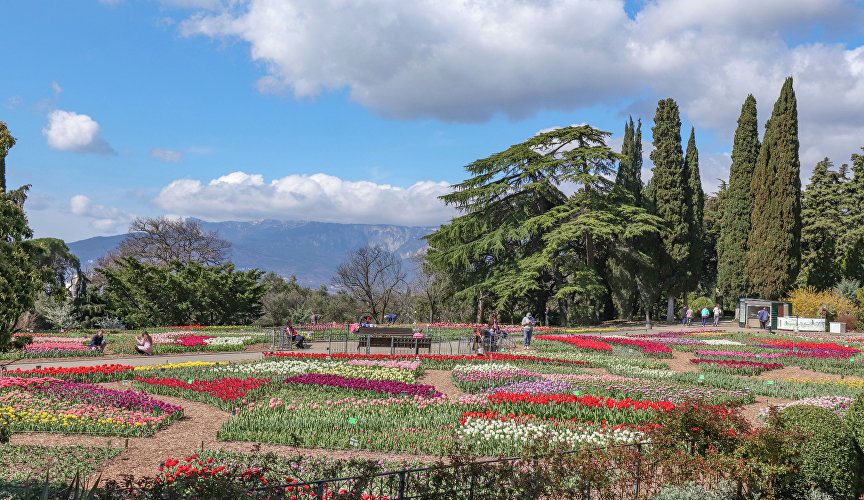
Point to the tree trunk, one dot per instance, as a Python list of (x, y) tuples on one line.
[(670, 309), (648, 319), (562, 311), (480, 310)]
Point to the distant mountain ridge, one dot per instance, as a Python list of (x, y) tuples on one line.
[(309, 250)]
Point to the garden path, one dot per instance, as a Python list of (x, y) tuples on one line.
[(442, 381)]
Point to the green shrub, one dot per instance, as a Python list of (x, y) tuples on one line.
[(830, 459), (700, 302), (692, 491), (854, 420), (20, 341)]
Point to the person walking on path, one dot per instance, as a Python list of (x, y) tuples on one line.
[(684, 315), (718, 311), (705, 314), (546, 317), (689, 316), (763, 316), (527, 329)]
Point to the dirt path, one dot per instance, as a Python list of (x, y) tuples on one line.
[(442, 382), (680, 362)]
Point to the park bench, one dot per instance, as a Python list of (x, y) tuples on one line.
[(392, 338)]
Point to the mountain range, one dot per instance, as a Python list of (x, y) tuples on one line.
[(309, 250)]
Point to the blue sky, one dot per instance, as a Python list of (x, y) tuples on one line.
[(365, 112)]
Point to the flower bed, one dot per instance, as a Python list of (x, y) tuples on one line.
[(837, 404), (71, 407), (478, 378), (490, 433), (736, 367), (441, 360), (362, 384), (101, 373), (580, 342), (218, 391), (814, 345)]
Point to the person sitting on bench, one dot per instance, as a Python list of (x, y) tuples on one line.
[(295, 337)]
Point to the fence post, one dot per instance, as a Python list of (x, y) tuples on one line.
[(401, 485), (392, 345), (471, 486), (638, 467), (368, 344), (319, 491)]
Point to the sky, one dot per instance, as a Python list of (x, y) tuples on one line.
[(367, 111)]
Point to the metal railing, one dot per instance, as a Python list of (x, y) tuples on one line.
[(468, 481)]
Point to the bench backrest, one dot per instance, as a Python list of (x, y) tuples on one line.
[(379, 332)]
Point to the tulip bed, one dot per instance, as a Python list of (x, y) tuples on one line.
[(732, 366), (51, 405), (222, 392), (29, 463)]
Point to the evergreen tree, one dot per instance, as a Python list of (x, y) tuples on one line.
[(713, 213), (19, 281), (629, 175), (820, 218), (6, 143), (852, 222), (669, 201), (732, 279), (623, 261), (695, 199), (774, 243)]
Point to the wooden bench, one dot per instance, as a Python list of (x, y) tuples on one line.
[(392, 338)]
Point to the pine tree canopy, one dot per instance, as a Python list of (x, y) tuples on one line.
[(732, 278), (774, 243), (630, 168), (519, 239)]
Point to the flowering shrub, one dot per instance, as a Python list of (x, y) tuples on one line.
[(837, 404)]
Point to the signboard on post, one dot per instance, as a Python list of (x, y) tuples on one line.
[(801, 324)]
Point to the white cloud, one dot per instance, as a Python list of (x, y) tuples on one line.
[(57, 88), (102, 218), (454, 60), (70, 131), (13, 102), (167, 155), (320, 197)]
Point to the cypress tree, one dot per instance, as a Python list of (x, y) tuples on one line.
[(820, 218), (852, 222), (774, 243), (6, 143), (669, 201), (629, 174), (623, 262), (695, 199), (732, 278)]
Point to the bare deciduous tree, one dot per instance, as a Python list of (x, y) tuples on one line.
[(373, 275), (160, 240)]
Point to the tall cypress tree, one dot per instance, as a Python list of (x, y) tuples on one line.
[(629, 174), (623, 261), (732, 278), (695, 199), (852, 235), (774, 244), (669, 202), (6, 143), (820, 218)]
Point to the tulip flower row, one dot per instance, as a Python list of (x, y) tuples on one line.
[(733, 366), (52, 405), (814, 345), (579, 342), (218, 391), (363, 384)]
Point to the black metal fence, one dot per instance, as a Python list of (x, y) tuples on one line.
[(512, 477)]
